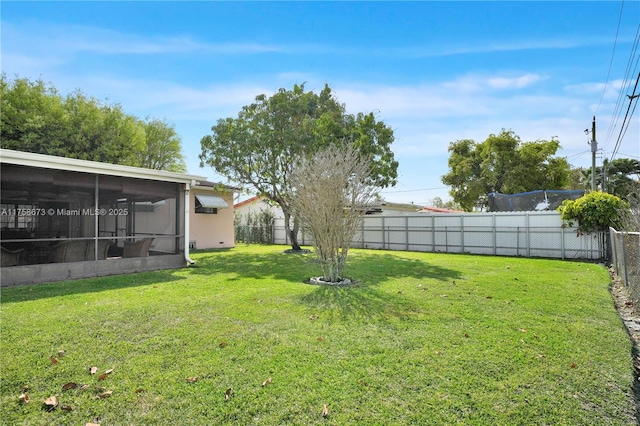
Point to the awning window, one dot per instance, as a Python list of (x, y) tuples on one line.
[(206, 202)]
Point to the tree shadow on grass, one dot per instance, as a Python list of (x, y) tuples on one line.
[(368, 268), (87, 285), (360, 303), (366, 301), (372, 268), (260, 265)]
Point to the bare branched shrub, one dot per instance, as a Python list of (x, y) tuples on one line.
[(330, 196), (631, 218)]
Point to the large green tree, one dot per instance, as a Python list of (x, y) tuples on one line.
[(30, 114), (163, 148), (34, 117), (261, 146), (505, 164), (621, 177)]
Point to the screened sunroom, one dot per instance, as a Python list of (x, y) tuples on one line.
[(64, 218)]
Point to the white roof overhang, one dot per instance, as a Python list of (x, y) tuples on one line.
[(8, 156)]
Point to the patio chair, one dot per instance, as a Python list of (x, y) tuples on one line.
[(68, 251), (103, 248), (10, 257), (137, 248)]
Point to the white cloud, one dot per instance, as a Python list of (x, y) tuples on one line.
[(68, 40), (513, 83), (510, 46)]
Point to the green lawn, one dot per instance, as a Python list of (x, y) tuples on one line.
[(423, 339)]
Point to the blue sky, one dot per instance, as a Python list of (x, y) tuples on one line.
[(435, 72)]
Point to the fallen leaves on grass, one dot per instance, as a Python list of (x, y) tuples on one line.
[(60, 353), (24, 398), (104, 395), (223, 344), (192, 379), (313, 317), (50, 403), (266, 382), (70, 385), (227, 394), (53, 359), (66, 408), (325, 411), (102, 376), (320, 339)]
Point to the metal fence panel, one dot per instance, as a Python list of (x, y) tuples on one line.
[(625, 248), (528, 234)]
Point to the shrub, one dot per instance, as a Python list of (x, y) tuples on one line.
[(254, 227), (596, 211)]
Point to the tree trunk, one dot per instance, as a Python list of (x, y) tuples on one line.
[(293, 233)]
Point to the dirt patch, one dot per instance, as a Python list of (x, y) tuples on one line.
[(342, 282), (300, 251), (630, 316)]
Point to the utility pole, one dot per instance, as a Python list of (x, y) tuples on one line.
[(594, 148)]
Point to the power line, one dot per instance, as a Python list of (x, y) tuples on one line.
[(615, 42), (622, 128), (579, 154), (413, 190), (629, 155), (626, 84)]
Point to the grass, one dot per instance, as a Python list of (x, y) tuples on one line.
[(423, 339)]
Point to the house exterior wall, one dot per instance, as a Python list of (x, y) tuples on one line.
[(255, 205), (211, 230), (399, 210)]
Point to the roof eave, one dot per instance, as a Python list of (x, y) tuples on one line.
[(8, 156)]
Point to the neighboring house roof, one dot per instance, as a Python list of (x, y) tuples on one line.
[(438, 210), (398, 206), (376, 208), (249, 201)]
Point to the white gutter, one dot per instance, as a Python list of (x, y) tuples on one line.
[(187, 201)]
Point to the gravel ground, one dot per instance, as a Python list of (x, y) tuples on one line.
[(630, 316)]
